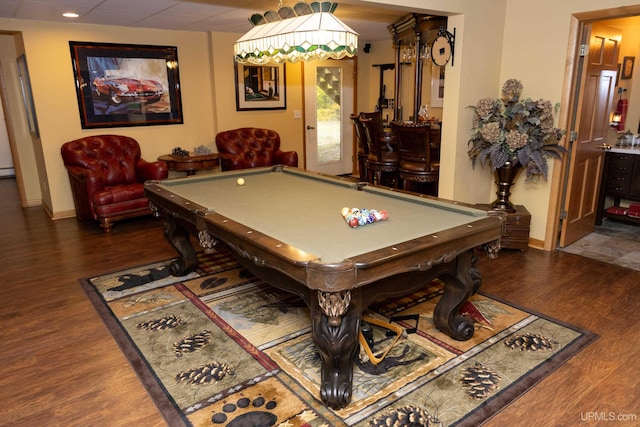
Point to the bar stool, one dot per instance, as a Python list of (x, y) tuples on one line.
[(363, 147), (382, 162), (435, 136), (417, 164)]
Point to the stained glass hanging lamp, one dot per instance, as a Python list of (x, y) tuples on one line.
[(305, 32)]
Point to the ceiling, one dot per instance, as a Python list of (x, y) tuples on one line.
[(230, 16)]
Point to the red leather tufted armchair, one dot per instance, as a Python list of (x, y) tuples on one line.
[(107, 178), (252, 147)]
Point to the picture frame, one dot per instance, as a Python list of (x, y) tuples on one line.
[(627, 67), (437, 85), (120, 85), (27, 95), (260, 87)]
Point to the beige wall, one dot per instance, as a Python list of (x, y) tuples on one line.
[(291, 130), (206, 111), (495, 40), (630, 46), (383, 52), (48, 55), (539, 61)]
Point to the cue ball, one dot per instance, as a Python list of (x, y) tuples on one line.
[(240, 181)]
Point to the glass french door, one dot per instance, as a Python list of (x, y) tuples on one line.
[(329, 89)]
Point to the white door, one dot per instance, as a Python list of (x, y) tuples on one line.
[(329, 88)]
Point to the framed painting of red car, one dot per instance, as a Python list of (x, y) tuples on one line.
[(126, 85)]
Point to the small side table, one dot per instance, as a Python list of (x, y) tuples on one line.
[(517, 226), (191, 164)]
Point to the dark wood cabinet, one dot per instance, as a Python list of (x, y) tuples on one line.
[(634, 182), (516, 229), (620, 180)]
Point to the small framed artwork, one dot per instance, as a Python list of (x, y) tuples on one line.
[(437, 85), (260, 87), (126, 85), (627, 67), (27, 96)]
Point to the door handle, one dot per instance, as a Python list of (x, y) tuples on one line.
[(605, 146), (310, 127)]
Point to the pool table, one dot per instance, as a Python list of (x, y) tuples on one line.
[(285, 226)]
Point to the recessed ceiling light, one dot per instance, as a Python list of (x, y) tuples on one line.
[(70, 15)]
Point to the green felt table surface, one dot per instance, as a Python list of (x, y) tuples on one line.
[(304, 210)]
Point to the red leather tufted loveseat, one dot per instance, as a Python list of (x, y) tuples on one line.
[(252, 147), (107, 177)]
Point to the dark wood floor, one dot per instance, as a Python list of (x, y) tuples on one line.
[(59, 365)]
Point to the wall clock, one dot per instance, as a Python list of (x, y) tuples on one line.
[(442, 47)]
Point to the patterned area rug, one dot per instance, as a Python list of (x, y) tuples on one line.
[(221, 348)]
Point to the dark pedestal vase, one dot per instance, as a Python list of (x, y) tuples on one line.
[(505, 176)]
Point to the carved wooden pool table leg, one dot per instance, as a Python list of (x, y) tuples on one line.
[(336, 338), (458, 288), (178, 236)]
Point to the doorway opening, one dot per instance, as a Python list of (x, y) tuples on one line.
[(329, 92), (559, 208)]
